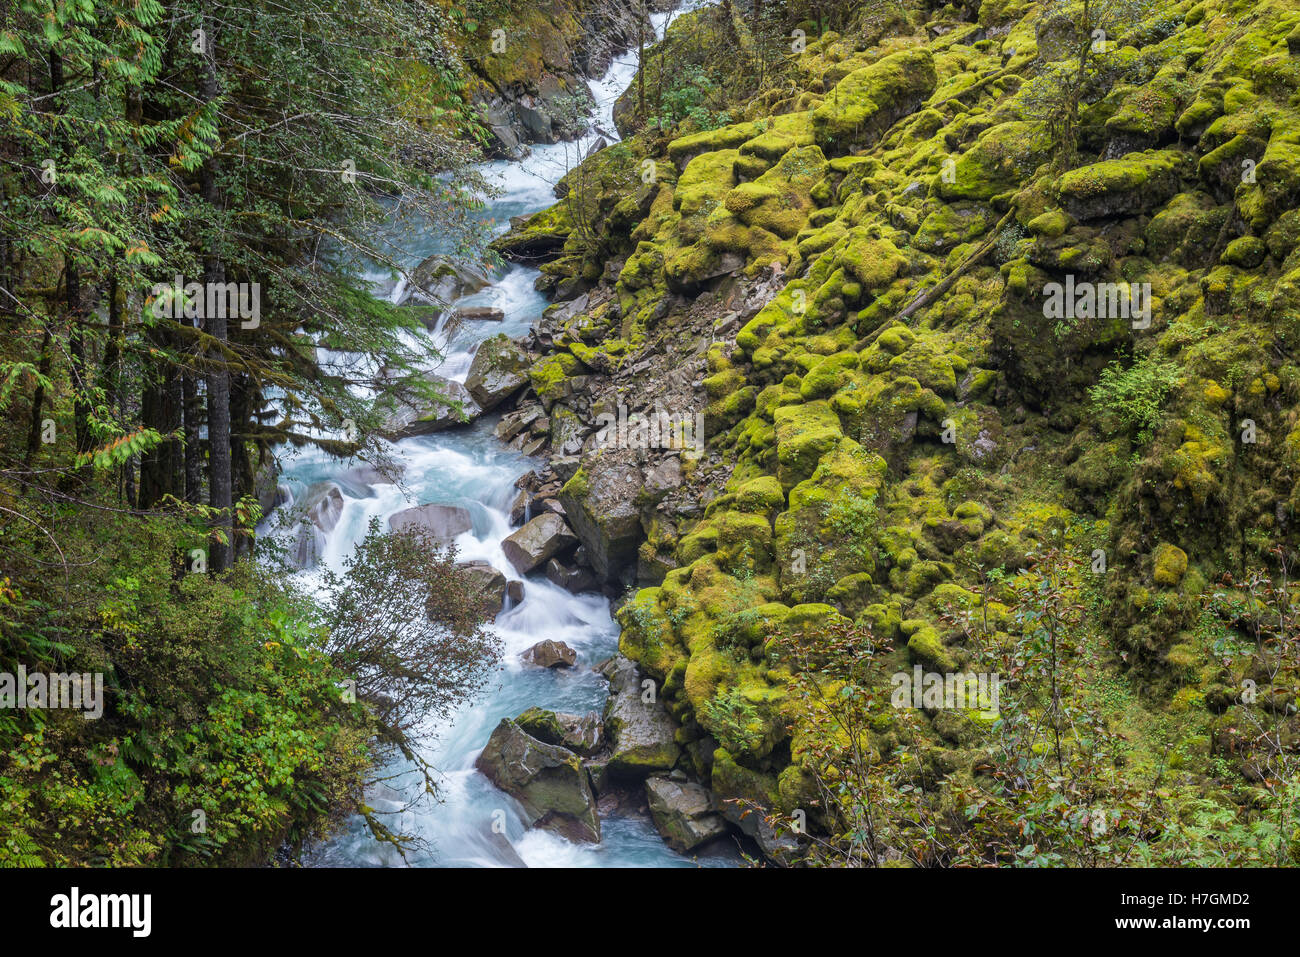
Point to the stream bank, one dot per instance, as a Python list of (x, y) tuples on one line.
[(465, 483)]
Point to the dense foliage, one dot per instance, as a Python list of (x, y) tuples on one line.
[(254, 147)]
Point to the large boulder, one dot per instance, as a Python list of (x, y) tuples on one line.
[(583, 733), (441, 522), (496, 115), (683, 812), (488, 583), (550, 654), (537, 238), (867, 102), (321, 508), (480, 314), (600, 501), (1129, 186), (499, 370), (640, 731), (542, 538), (411, 416), (570, 578), (548, 781), (442, 280)]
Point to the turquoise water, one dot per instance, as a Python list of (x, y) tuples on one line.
[(469, 467)]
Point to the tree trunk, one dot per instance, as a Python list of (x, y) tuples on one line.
[(214, 272), (72, 293), (38, 400), (160, 410), (192, 417), (242, 467)]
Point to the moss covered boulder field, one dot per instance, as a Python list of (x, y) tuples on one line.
[(670, 433), (990, 311)]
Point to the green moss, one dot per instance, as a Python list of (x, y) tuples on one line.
[(926, 647), (952, 225), (804, 433), (683, 150), (1246, 252), (760, 495), (1169, 565), (1050, 224), (828, 375), (873, 262), (1129, 185), (868, 101), (549, 373), (542, 725), (783, 133), (1001, 159)]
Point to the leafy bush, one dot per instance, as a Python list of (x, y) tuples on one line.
[(238, 714)]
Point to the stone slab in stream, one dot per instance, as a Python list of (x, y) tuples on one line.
[(684, 812), (548, 653), (409, 418), (583, 733), (499, 370), (441, 280), (442, 522), (482, 313), (548, 781), (322, 506), (489, 583), (542, 538)]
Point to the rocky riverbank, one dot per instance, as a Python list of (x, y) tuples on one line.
[(848, 282)]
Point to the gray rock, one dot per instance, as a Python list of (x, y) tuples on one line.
[(570, 579), (550, 654), (480, 313), (497, 117), (604, 513), (582, 733), (519, 508), (515, 592), (640, 732), (664, 477), (321, 508), (683, 812), (567, 434), (598, 774), (502, 851), (409, 416), (566, 466), (443, 280), (548, 781), (368, 474), (488, 582), (542, 538), (442, 522), (498, 371), (515, 423)]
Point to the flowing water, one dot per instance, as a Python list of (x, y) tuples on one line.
[(469, 467)]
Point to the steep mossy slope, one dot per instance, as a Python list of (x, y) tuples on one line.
[(900, 425)]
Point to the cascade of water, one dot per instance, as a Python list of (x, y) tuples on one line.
[(470, 468)]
